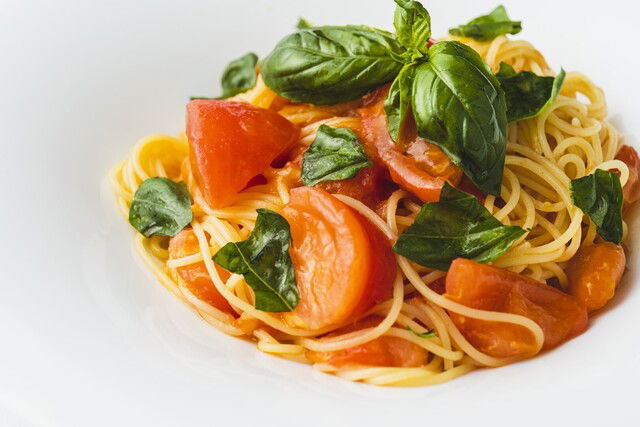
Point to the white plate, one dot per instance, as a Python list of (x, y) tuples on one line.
[(86, 335)]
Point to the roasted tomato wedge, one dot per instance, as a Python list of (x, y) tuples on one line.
[(195, 276), (631, 190), (485, 287), (595, 272), (232, 142), (343, 264), (382, 351), (413, 163)]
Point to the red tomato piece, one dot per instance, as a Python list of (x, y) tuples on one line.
[(343, 264), (195, 276), (368, 186), (232, 142), (595, 272), (382, 351), (631, 190), (485, 287)]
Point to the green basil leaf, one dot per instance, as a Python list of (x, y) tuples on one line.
[(303, 24), (263, 259), (160, 207), (398, 100), (457, 226), (413, 26), (458, 105), (429, 334), (599, 195), (334, 155), (488, 27), (239, 76), (327, 65), (527, 94)]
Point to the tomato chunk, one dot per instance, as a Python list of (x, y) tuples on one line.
[(368, 186), (485, 287), (382, 351), (232, 142), (414, 164), (343, 264), (195, 276), (631, 190), (595, 272)]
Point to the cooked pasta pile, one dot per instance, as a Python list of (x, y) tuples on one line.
[(568, 140)]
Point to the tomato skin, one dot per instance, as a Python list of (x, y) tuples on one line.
[(485, 287), (595, 272), (196, 276), (631, 189), (382, 351), (414, 164), (343, 264), (232, 142), (367, 186)]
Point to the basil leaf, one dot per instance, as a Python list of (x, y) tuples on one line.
[(160, 207), (488, 27), (239, 76), (458, 105), (263, 259), (327, 65), (457, 226), (398, 100), (303, 24), (413, 26), (429, 334), (334, 155), (599, 195), (527, 94)]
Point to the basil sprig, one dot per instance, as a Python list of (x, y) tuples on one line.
[(457, 226), (599, 195), (488, 27), (239, 76), (527, 94), (160, 207), (263, 259), (334, 155), (413, 27)]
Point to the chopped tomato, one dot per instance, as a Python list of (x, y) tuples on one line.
[(343, 264), (232, 142), (485, 287), (631, 189), (413, 163), (382, 351), (595, 272), (368, 186), (195, 276)]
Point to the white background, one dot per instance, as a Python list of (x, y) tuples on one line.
[(87, 338)]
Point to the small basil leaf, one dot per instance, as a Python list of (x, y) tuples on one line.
[(458, 104), (527, 94), (263, 259), (413, 26), (488, 27), (334, 155), (599, 195), (239, 76), (160, 207), (327, 65), (303, 24), (429, 334), (457, 226), (398, 100)]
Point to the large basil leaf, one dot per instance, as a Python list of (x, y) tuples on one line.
[(239, 76), (160, 207), (527, 94), (334, 155), (327, 65), (263, 259), (457, 226), (458, 105), (413, 26), (488, 27), (599, 195), (398, 100)]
